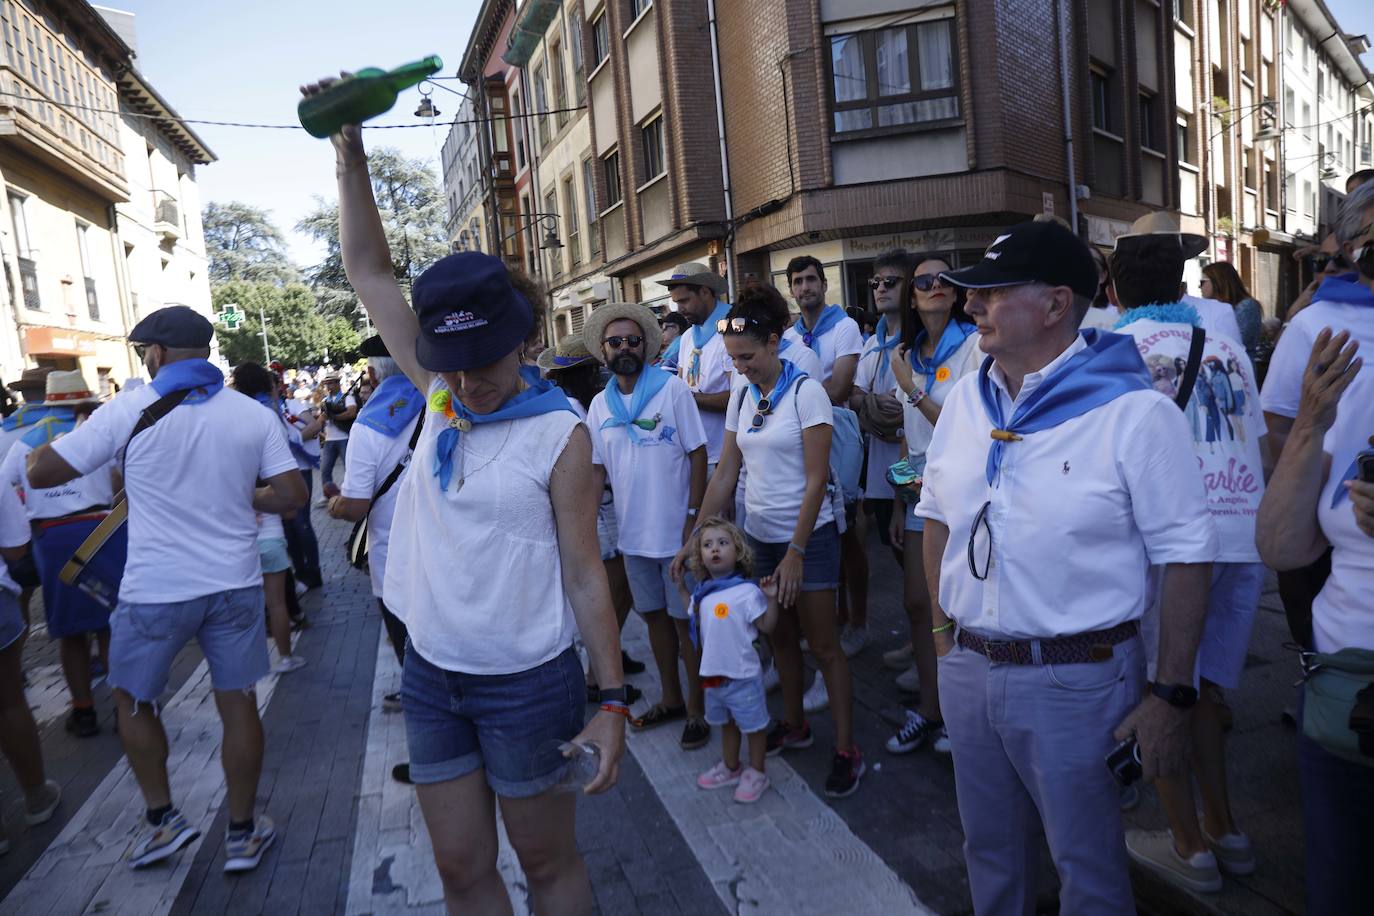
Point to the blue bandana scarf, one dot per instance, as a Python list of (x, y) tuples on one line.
[(701, 336), (951, 339), (789, 374), (699, 594), (1345, 288), (1350, 474), (830, 316), (57, 421), (198, 375), (392, 407), (650, 382), (669, 356), (1107, 368), (28, 415), (1165, 313), (885, 344), (545, 397)]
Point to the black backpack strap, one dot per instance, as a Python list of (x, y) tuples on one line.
[(1189, 380), (400, 465)]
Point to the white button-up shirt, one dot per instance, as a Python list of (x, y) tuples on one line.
[(1078, 513)]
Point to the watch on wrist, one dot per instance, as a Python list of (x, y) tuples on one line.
[(613, 695), (1175, 694)]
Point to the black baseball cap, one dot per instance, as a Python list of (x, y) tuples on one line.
[(1032, 252), (469, 312), (177, 326), (373, 346)]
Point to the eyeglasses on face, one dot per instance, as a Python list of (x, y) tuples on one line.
[(1321, 261), (926, 282), (736, 325), (617, 341), (884, 282)]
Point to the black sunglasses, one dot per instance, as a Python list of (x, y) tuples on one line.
[(980, 520), (884, 282), (735, 325), (629, 340), (926, 282), (1321, 261)]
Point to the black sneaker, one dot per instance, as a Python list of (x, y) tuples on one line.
[(630, 665), (784, 737), (913, 733), (846, 769), (401, 773), (391, 702), (696, 733), (83, 723)]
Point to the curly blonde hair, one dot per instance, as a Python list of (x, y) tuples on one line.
[(744, 557)]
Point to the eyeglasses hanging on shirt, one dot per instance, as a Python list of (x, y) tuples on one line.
[(980, 520)]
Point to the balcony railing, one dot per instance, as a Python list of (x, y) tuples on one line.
[(92, 304), (28, 279), (167, 218), (55, 134)]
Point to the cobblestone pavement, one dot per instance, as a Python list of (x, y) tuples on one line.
[(353, 841)]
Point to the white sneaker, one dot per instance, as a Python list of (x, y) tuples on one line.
[(816, 698), (909, 681), (321, 503), (771, 681), (288, 664), (853, 640), (1233, 851), (941, 744), (301, 589), (898, 659)]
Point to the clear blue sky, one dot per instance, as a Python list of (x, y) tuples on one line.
[(243, 61)]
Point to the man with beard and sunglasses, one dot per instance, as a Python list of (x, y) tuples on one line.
[(648, 438)]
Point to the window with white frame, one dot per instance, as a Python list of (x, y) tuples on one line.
[(652, 133), (895, 79)]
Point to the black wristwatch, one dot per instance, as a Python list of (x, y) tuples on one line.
[(1175, 695), (613, 695)]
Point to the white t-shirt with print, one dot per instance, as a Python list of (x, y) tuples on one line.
[(1283, 381), (1218, 318), (372, 456), (844, 339), (726, 624), (89, 491), (649, 470), (190, 479), (775, 459), (881, 455), (1224, 418), (1341, 616), (14, 532), (332, 433), (713, 377)]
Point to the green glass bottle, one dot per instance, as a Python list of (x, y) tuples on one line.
[(366, 94)]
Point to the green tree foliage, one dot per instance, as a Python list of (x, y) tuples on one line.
[(341, 338), (296, 332), (242, 244), (411, 203)]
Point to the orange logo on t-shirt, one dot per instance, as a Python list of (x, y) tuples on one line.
[(722, 611), (942, 374)]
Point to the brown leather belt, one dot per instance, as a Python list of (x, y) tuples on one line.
[(1063, 650)]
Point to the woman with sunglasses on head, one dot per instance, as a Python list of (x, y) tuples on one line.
[(940, 346), (778, 427)]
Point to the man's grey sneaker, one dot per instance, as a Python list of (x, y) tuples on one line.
[(288, 664), (909, 681), (1155, 850), (898, 659), (913, 733), (243, 851), (40, 804), (1235, 855), (163, 840)]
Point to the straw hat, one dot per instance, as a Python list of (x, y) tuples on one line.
[(1162, 222), (570, 351), (68, 389), (694, 273), (639, 313)]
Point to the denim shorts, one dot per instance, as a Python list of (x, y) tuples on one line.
[(738, 700), (507, 725), (229, 626), (652, 587), (12, 625), (272, 553), (820, 565), (1231, 608)]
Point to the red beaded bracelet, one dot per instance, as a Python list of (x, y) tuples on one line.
[(617, 709)]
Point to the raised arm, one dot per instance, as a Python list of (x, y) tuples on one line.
[(366, 256)]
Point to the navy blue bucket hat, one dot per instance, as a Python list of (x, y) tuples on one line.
[(470, 315)]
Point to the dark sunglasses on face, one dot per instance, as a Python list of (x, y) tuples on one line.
[(735, 325), (884, 282), (1321, 261), (926, 282), (616, 342)]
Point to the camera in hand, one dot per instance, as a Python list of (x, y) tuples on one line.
[(1124, 762), (1364, 463)]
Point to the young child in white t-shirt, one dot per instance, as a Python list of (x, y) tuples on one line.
[(727, 610)]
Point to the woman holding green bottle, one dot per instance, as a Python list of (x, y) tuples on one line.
[(494, 567)]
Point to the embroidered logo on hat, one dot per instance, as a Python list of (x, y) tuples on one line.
[(994, 255), (460, 321)]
